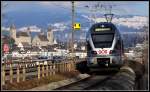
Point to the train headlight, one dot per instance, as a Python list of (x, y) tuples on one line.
[(110, 52)]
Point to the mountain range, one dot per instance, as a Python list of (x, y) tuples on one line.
[(60, 21)]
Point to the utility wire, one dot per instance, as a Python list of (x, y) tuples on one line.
[(98, 7)]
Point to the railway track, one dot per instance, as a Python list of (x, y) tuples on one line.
[(83, 84), (122, 80), (88, 82), (101, 80)]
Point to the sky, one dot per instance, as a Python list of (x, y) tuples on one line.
[(42, 13), (121, 8)]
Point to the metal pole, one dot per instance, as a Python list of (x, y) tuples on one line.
[(72, 50)]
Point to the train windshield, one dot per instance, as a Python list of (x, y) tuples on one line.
[(102, 40)]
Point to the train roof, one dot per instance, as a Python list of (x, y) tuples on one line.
[(103, 27), (106, 24)]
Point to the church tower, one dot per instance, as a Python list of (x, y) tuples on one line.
[(13, 31), (29, 31), (50, 36), (30, 37)]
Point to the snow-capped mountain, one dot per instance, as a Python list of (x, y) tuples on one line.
[(59, 26), (135, 22), (63, 29)]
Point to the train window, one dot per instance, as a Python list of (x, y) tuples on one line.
[(102, 37), (102, 40), (103, 45)]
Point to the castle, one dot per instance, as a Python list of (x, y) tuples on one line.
[(25, 37)]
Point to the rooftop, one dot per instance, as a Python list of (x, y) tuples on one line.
[(42, 37), (22, 34)]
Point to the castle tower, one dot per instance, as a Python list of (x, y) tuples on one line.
[(13, 31), (50, 36), (29, 33)]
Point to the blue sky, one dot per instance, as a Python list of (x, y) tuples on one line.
[(42, 13), (123, 7)]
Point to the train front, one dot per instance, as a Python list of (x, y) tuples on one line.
[(103, 47)]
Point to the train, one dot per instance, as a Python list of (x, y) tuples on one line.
[(104, 47)]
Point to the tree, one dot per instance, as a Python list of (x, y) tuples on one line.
[(8, 40), (11, 43)]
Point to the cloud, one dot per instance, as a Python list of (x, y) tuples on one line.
[(32, 29), (60, 26), (128, 6), (66, 4), (6, 29)]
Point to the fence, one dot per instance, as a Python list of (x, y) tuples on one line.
[(17, 72)]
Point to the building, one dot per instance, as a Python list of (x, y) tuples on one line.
[(20, 36), (40, 40), (43, 40), (25, 37), (50, 36)]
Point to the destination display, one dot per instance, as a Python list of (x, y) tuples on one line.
[(102, 29)]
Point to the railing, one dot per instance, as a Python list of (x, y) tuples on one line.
[(18, 72)]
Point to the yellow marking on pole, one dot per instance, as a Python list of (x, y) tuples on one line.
[(76, 26)]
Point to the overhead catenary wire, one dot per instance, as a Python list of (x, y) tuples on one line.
[(98, 7)]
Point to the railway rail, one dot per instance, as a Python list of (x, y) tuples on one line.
[(122, 80), (85, 83)]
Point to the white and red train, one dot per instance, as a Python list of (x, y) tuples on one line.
[(104, 46)]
